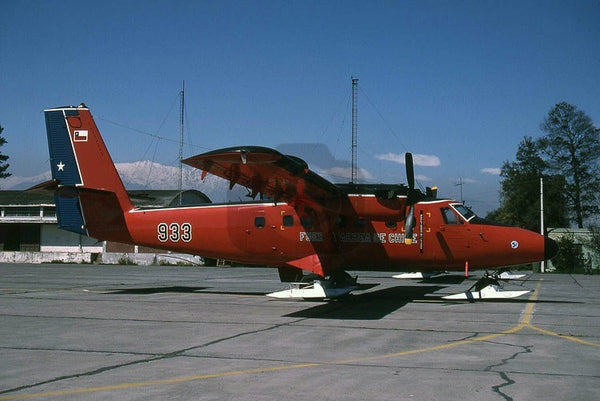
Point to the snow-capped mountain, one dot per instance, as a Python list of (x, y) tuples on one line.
[(146, 175), (15, 182)]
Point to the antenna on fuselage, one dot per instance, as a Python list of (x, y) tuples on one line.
[(354, 178)]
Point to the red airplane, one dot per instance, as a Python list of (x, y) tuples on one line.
[(308, 224)]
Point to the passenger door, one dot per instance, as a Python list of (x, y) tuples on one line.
[(456, 235)]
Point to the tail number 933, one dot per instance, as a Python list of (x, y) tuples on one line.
[(174, 232)]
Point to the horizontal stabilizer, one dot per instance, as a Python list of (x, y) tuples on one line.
[(47, 186)]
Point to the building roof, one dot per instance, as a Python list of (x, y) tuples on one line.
[(23, 198)]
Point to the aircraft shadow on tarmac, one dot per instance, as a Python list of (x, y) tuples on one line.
[(378, 304), (178, 290), (155, 290), (373, 305), (368, 306), (447, 279)]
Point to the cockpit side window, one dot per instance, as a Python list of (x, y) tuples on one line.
[(464, 211), (449, 216)]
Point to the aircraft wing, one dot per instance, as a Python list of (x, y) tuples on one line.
[(267, 171)]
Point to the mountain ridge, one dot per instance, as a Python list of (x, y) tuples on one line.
[(143, 174)]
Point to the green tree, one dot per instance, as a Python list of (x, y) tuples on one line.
[(569, 256), (3, 158), (571, 148), (520, 196)]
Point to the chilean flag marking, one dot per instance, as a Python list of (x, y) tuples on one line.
[(80, 135)]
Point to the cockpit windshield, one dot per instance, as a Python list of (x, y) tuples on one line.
[(464, 211)]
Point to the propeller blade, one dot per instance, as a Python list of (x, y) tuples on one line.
[(409, 222), (410, 170), (409, 225)]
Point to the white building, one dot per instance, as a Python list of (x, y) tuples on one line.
[(581, 238)]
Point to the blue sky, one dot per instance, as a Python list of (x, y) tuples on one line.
[(458, 82)]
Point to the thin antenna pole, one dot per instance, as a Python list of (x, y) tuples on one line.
[(460, 184), (354, 178), (543, 265), (181, 104)]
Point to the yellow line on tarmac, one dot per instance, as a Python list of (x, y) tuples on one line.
[(156, 382), (563, 336), (528, 313), (525, 322), (429, 349)]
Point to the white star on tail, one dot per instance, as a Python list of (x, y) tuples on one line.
[(61, 166)]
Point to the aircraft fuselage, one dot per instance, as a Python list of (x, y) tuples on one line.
[(275, 234)]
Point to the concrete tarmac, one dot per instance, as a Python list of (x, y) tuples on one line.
[(73, 332)]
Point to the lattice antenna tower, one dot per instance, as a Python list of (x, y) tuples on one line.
[(181, 114), (354, 179)]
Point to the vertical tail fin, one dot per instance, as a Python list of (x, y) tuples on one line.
[(91, 198)]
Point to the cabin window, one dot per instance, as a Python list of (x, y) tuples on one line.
[(449, 216), (306, 221), (341, 221), (391, 224), (359, 223), (259, 222), (288, 220)]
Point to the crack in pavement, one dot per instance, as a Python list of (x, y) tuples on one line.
[(525, 349)]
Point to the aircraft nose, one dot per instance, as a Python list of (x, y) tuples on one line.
[(550, 248)]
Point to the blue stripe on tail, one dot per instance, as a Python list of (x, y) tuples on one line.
[(64, 169), (62, 159)]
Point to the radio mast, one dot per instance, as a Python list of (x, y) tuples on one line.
[(181, 114), (354, 179)]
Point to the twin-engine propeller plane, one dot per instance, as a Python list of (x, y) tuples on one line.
[(308, 224)]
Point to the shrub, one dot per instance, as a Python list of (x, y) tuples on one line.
[(569, 257)]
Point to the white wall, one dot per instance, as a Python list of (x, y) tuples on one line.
[(54, 240)]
